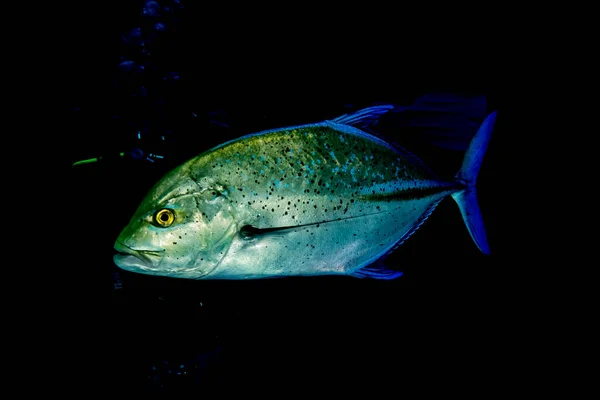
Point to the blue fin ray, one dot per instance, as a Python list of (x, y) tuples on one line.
[(376, 271), (363, 118)]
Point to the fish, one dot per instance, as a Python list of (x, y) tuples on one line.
[(325, 198)]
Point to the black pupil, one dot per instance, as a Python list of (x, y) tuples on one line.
[(164, 217)]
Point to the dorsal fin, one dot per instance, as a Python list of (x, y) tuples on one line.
[(446, 120), (363, 118)]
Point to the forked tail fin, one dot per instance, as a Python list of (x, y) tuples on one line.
[(467, 198)]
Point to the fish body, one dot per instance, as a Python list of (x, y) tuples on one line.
[(318, 199)]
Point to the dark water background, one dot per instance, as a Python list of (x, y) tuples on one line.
[(168, 69)]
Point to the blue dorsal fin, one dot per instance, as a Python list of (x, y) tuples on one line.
[(363, 118), (446, 120), (376, 271)]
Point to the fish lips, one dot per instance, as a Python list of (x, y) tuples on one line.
[(135, 260)]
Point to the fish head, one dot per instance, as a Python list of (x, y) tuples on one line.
[(182, 229)]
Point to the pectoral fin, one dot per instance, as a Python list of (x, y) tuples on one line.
[(251, 233)]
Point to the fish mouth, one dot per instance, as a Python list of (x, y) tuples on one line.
[(134, 259)]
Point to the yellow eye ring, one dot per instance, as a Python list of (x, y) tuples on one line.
[(164, 217)]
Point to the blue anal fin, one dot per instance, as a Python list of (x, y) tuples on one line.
[(376, 271)]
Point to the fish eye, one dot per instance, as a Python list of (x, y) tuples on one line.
[(164, 217)]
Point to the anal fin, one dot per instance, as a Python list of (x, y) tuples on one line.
[(376, 271)]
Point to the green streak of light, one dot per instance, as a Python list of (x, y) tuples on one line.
[(89, 160), (92, 160)]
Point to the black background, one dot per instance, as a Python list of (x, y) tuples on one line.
[(253, 70)]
